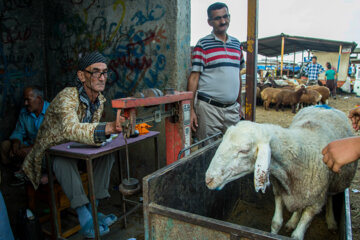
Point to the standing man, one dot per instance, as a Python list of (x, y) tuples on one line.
[(313, 70), (74, 115), (215, 78), (14, 150)]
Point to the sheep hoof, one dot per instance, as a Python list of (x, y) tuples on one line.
[(297, 236), (275, 227), (289, 228)]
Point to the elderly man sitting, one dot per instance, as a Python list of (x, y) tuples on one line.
[(14, 150), (74, 115)]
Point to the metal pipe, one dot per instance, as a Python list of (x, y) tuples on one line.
[(294, 62), (338, 65), (218, 134), (282, 54), (251, 59), (127, 158)]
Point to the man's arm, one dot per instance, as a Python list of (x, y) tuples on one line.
[(19, 132), (72, 128), (193, 82)]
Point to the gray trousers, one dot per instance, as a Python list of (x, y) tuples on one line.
[(212, 119), (67, 174)]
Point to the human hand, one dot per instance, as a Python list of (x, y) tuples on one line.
[(114, 127), (354, 116), (341, 152), (193, 120)]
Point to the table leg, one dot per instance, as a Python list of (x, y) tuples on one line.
[(52, 194), (122, 195), (157, 160), (92, 197)]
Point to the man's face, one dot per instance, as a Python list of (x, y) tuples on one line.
[(220, 20), (32, 103), (313, 60), (94, 77)]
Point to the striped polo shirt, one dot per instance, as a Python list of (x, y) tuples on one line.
[(219, 64)]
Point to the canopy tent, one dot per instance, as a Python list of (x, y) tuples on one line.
[(271, 46)]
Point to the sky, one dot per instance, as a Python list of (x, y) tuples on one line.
[(328, 19)]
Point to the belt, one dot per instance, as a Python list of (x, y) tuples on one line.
[(213, 102)]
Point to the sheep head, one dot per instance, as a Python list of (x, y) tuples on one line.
[(244, 149)]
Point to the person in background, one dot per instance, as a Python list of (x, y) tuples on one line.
[(330, 77), (74, 115), (14, 150), (5, 229), (215, 79), (313, 70), (344, 151)]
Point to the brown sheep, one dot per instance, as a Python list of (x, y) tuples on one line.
[(324, 91), (289, 97), (311, 97), (268, 95)]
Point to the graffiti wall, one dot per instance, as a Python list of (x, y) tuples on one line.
[(21, 56), (146, 42), (138, 38)]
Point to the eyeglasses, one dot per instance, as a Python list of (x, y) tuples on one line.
[(98, 74), (218, 18)]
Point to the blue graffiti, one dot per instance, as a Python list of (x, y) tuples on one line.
[(151, 15)]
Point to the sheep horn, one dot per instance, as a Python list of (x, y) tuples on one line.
[(262, 165)]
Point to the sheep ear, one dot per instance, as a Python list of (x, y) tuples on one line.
[(262, 165)]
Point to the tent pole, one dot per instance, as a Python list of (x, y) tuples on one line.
[(338, 65), (282, 54), (294, 63), (302, 57), (251, 59)]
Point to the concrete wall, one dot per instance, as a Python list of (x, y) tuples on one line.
[(21, 56), (146, 42)]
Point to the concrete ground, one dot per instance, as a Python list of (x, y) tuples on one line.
[(16, 198)]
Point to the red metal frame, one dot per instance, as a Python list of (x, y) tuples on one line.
[(178, 134)]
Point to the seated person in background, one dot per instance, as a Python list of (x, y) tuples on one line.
[(344, 151), (74, 115), (22, 139)]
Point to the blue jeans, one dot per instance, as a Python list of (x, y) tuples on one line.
[(5, 229)]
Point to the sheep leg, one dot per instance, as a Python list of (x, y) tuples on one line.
[(294, 220), (293, 108), (277, 219), (277, 106), (330, 219), (266, 104), (305, 220)]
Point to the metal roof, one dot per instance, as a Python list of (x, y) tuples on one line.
[(271, 46)]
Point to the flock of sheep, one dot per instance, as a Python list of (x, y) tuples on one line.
[(290, 94)]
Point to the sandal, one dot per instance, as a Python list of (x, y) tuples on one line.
[(88, 230), (108, 220)]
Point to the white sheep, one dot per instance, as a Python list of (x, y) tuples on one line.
[(293, 160)]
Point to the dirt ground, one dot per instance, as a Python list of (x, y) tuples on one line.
[(344, 102)]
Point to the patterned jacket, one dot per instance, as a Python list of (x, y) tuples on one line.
[(62, 123)]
